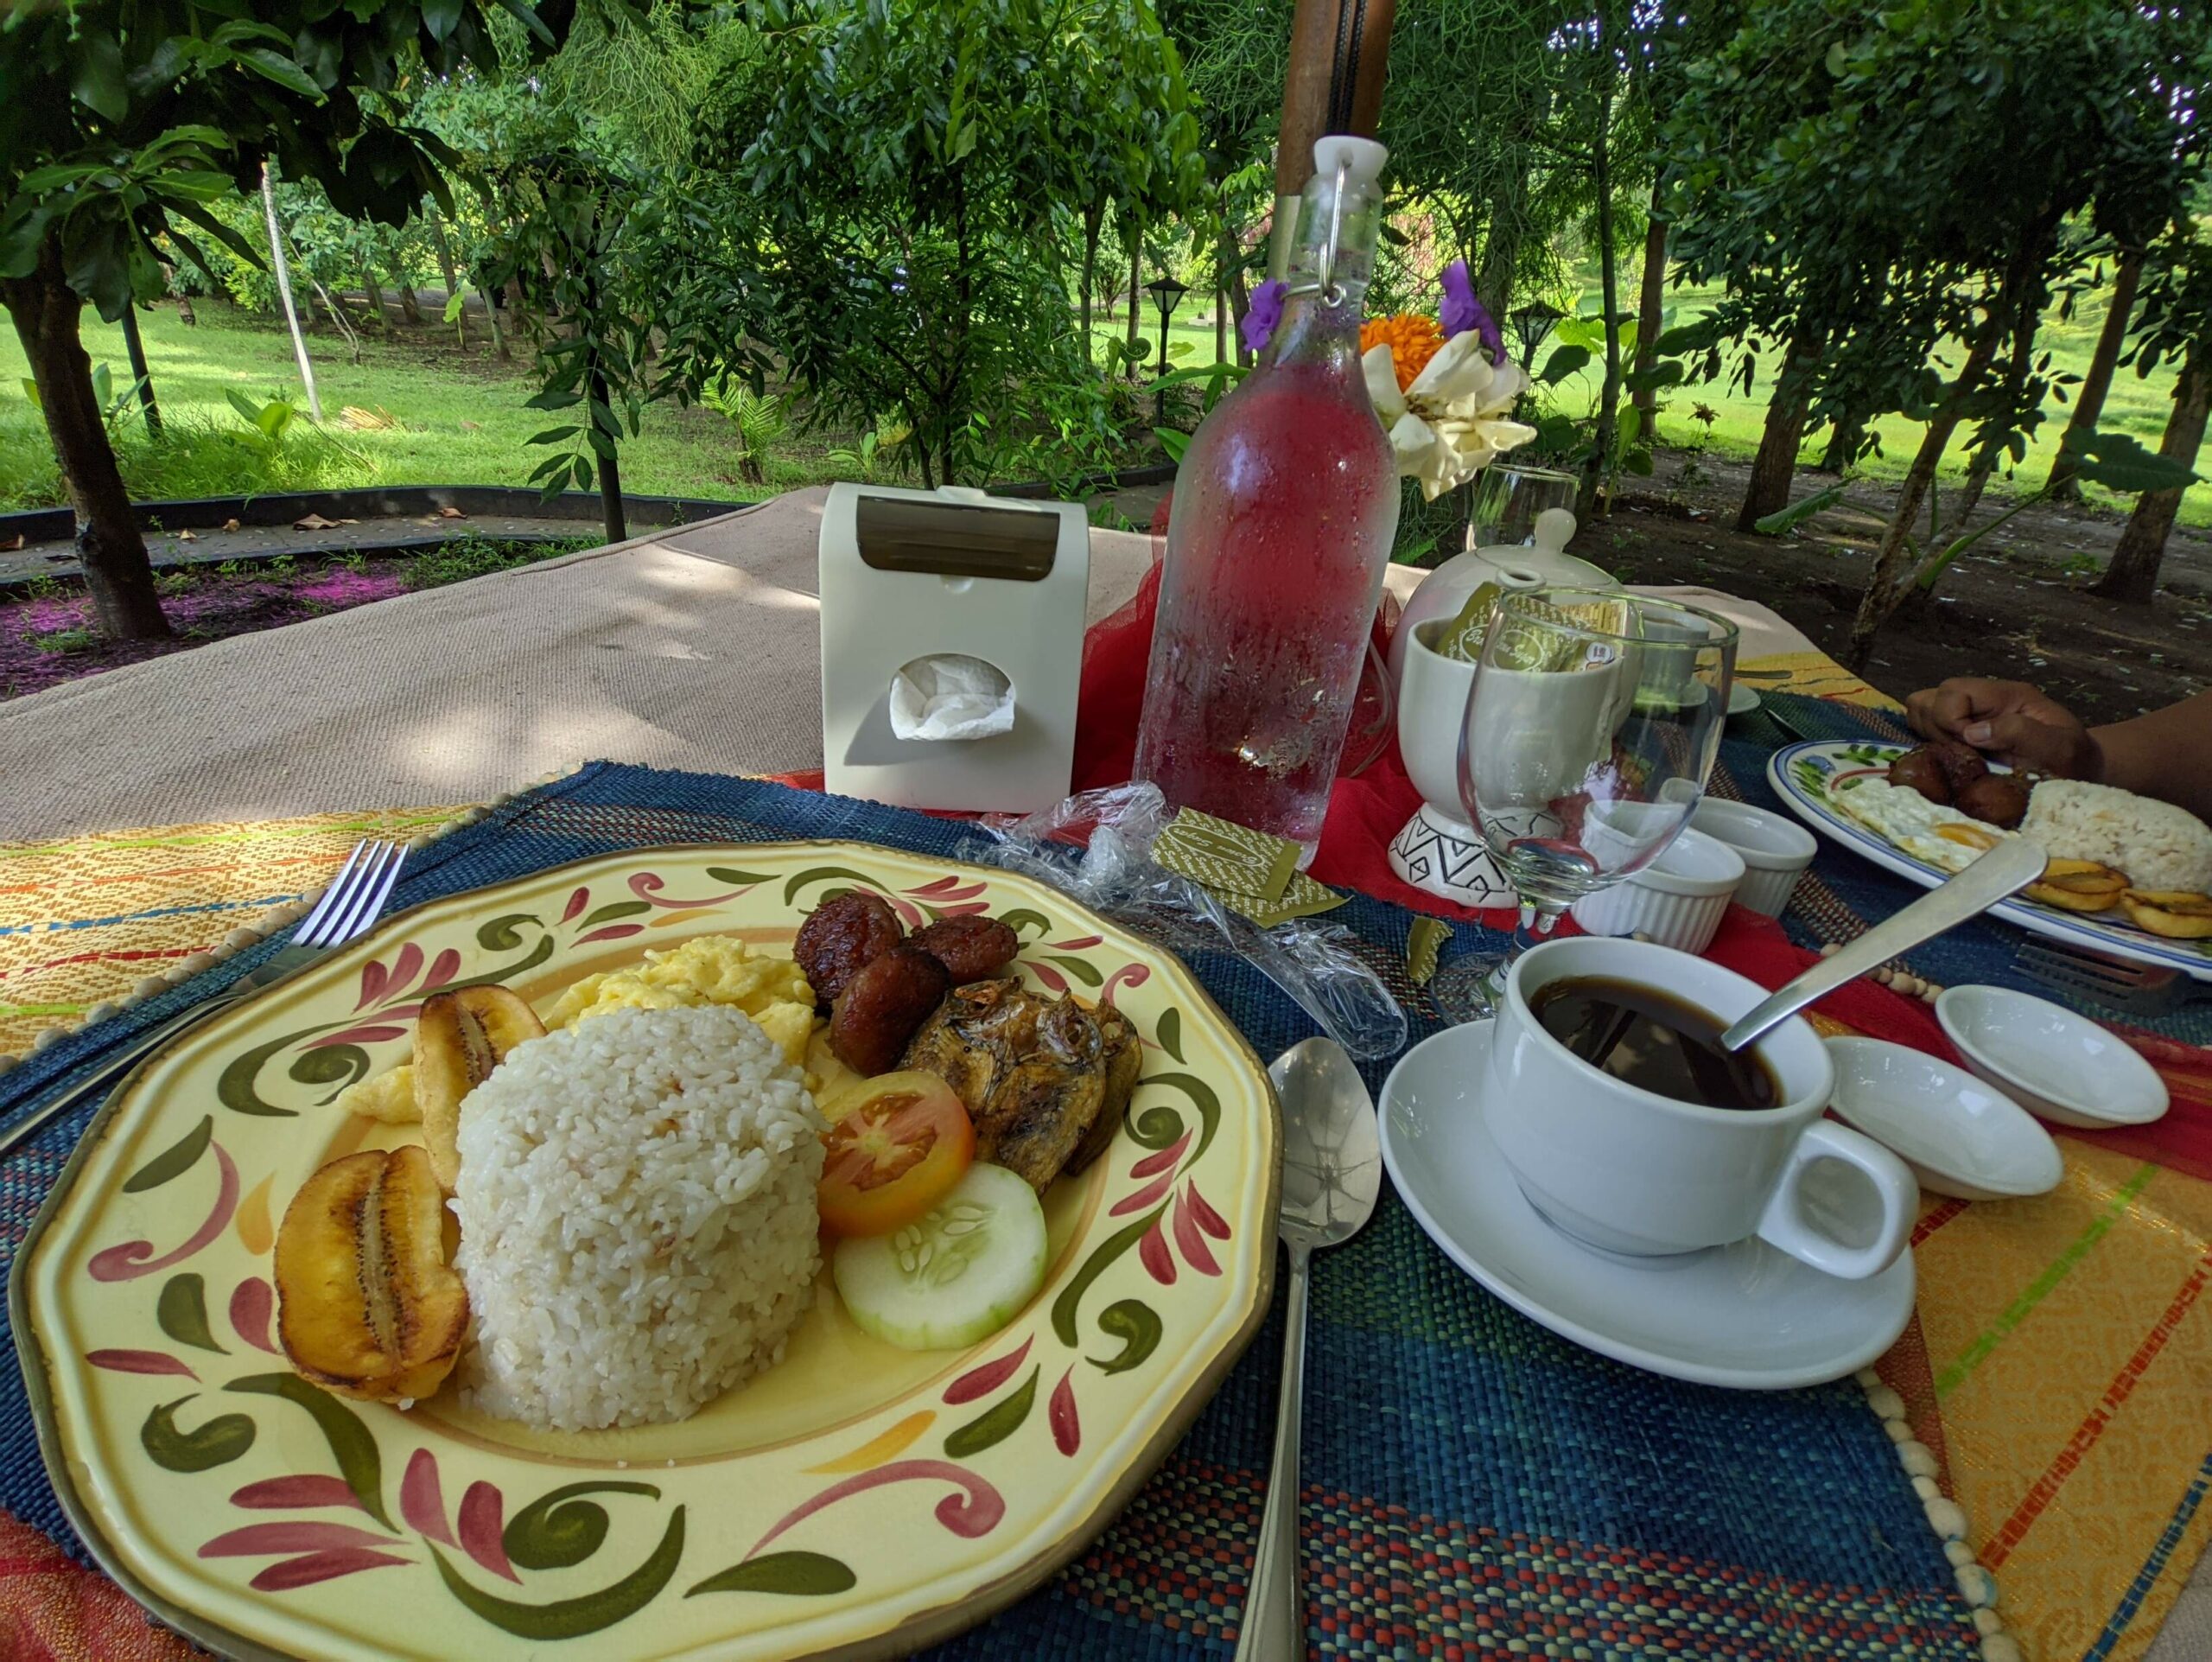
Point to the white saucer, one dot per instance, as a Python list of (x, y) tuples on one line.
[(1742, 700), (1745, 1315)]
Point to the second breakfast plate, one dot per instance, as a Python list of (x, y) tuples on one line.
[(1745, 1315), (1806, 777)]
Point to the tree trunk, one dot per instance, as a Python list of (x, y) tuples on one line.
[(1094, 220), (1887, 584), (2089, 396), (1137, 277), (1597, 472), (1845, 439), (185, 315), (1776, 464), (372, 296), (410, 307), (1650, 303), (142, 378), (1985, 463), (1502, 246), (2133, 574), (610, 472), (444, 252), (117, 575)]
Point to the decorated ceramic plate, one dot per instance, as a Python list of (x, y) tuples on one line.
[(1807, 776), (853, 1500)]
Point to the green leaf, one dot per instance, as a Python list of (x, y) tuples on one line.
[(1637, 462), (285, 72), (1837, 59), (97, 82), (183, 1312), (2119, 462), (1175, 443), (742, 879), (441, 17), (554, 435), (31, 392), (995, 1424), (220, 1442), (1800, 511), (1626, 425), (808, 1574), (1564, 361), (1167, 1033), (174, 1161), (1687, 338), (245, 406)]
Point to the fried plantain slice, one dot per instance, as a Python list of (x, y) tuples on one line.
[(460, 1037), (2079, 886), (367, 1305), (2176, 914)]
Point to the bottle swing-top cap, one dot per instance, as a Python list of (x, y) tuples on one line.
[(1345, 187)]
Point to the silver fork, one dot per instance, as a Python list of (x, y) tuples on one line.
[(348, 908), (2130, 987)]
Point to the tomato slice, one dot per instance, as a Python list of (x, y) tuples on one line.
[(895, 1148)]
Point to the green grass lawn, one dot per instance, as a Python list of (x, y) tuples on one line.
[(2135, 405), (460, 419), (460, 416)]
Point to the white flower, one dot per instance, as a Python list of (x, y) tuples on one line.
[(1450, 424)]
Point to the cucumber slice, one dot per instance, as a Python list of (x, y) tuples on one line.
[(956, 1275)]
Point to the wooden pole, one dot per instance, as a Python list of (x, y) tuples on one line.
[(1333, 84), (134, 344), (285, 290)]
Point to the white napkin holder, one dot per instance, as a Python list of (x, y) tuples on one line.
[(912, 579)]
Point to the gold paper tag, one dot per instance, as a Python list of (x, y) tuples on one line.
[(1223, 855), (1424, 941), (1301, 898)]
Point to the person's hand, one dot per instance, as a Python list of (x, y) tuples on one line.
[(2010, 720)]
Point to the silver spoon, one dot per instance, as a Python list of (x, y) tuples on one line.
[(1332, 1172), (2005, 870)]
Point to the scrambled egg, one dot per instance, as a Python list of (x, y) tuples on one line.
[(706, 969)]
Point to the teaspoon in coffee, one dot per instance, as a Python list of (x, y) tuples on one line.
[(2005, 870), (1331, 1173)]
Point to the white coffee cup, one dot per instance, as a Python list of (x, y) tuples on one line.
[(1628, 1170)]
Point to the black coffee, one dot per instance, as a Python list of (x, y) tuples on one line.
[(1653, 1040)]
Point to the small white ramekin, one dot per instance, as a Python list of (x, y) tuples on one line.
[(1677, 901), (1775, 851)]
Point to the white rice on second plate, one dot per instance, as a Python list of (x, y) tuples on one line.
[(2157, 845), (638, 1220)]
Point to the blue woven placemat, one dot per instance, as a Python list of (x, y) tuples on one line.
[(1468, 1480)]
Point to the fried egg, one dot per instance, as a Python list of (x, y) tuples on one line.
[(1944, 837)]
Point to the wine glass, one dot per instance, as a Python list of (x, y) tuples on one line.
[(1508, 499), (1589, 734)]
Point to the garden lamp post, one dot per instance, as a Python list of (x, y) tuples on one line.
[(1532, 322), (1166, 294)]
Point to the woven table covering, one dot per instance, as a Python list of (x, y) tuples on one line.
[(2074, 1423), (1468, 1478)]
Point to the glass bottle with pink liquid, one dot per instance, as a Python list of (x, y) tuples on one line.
[(1285, 504)]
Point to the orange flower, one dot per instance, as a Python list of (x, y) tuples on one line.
[(1412, 337)]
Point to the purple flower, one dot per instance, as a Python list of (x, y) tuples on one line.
[(1262, 314), (1461, 311)]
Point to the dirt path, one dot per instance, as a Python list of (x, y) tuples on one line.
[(2016, 605)]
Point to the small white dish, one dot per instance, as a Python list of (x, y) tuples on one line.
[(1746, 1315), (1677, 901), (1775, 851), (2055, 1064), (1742, 700), (1962, 1136)]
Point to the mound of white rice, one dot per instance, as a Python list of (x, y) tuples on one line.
[(2157, 845), (638, 1222)]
